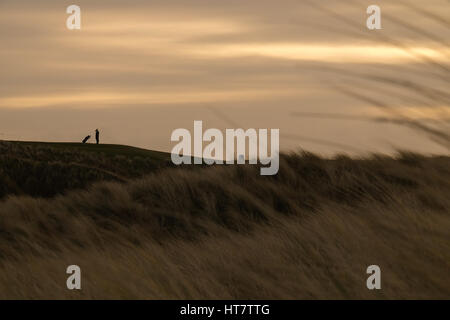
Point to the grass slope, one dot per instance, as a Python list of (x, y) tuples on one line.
[(46, 169), (227, 232), (106, 149)]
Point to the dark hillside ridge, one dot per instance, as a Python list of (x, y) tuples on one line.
[(46, 169)]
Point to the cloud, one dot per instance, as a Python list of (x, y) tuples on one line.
[(192, 52)]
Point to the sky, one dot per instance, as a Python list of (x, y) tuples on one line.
[(138, 70)]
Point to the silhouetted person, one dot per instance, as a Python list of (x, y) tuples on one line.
[(97, 136), (86, 139)]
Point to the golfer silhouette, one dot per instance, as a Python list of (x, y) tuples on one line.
[(97, 136), (86, 139)]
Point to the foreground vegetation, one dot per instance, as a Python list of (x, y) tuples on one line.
[(227, 232)]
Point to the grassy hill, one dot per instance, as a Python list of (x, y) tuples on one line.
[(105, 149), (225, 231), (47, 169)]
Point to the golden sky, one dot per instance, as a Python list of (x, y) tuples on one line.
[(140, 69)]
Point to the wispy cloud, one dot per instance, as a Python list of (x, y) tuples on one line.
[(252, 53)]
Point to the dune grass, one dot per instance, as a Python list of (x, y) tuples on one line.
[(226, 232), (46, 169)]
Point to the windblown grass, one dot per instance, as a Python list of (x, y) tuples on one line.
[(227, 232)]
